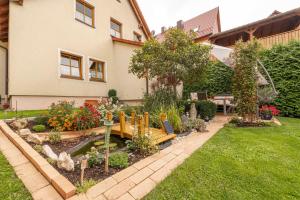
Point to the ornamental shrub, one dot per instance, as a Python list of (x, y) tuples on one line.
[(112, 93), (87, 117), (61, 116), (43, 120), (39, 128), (218, 80), (162, 97), (206, 109), (283, 64), (118, 160)]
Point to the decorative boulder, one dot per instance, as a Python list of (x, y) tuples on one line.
[(65, 162), (48, 152), (34, 138), (19, 124), (24, 132)]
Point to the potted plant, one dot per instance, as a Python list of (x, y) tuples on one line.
[(267, 112)]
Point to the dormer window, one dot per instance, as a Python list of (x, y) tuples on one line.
[(196, 29), (115, 28), (85, 12)]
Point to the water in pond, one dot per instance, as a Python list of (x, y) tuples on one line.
[(116, 143)]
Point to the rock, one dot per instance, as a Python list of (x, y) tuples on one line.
[(24, 132), (65, 162), (184, 119), (34, 138), (48, 152), (19, 124)]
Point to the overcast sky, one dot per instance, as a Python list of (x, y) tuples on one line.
[(233, 13)]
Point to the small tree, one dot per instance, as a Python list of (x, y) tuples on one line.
[(177, 59), (244, 85)]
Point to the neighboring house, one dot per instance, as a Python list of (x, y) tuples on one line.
[(69, 50), (204, 25), (278, 28)]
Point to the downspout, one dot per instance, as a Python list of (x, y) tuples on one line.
[(6, 70)]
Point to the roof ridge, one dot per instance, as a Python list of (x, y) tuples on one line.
[(202, 14)]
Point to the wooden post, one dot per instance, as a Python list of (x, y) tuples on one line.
[(108, 123), (122, 124), (146, 119), (141, 128), (132, 118), (251, 33), (83, 166), (163, 117)]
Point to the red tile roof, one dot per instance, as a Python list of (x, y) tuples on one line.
[(204, 24)]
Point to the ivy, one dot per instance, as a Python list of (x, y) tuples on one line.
[(218, 80), (283, 64), (244, 85)]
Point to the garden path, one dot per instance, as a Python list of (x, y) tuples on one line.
[(33, 180)]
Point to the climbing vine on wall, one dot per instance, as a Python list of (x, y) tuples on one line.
[(218, 80)]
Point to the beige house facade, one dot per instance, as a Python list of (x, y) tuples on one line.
[(71, 50)]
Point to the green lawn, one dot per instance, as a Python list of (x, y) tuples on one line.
[(240, 163), (11, 188), (27, 113)]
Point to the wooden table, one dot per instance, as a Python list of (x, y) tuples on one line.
[(224, 99)]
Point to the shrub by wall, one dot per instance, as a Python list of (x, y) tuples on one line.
[(283, 64), (217, 81)]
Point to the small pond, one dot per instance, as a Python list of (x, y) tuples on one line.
[(116, 144)]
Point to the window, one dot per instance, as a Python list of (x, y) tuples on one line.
[(137, 37), (70, 66), (115, 28), (85, 12), (96, 70)]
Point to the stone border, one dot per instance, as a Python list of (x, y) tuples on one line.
[(63, 186)]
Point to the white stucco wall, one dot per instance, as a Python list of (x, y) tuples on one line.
[(40, 28), (2, 69)]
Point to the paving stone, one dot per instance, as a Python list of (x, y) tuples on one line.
[(119, 189), (46, 193), (120, 176), (126, 196), (79, 197), (101, 197), (141, 175), (143, 163), (34, 182), (101, 187), (25, 169), (157, 164), (17, 160), (169, 157), (142, 189), (160, 175), (178, 151)]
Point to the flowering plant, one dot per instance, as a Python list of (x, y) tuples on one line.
[(272, 110), (87, 117), (61, 116)]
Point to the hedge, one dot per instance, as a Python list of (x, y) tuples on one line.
[(217, 81), (283, 64)]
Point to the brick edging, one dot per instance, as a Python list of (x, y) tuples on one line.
[(63, 186)]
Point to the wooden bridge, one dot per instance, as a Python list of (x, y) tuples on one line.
[(127, 130)]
